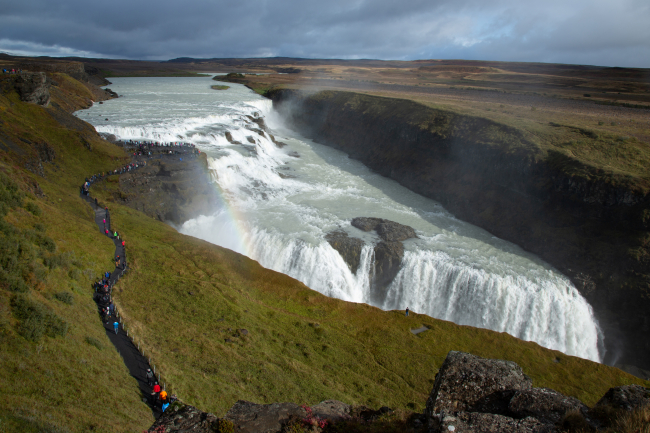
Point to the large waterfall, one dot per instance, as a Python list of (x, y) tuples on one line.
[(281, 200)]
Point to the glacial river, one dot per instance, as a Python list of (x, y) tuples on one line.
[(279, 203)]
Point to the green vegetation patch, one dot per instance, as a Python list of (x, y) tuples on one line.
[(220, 87)]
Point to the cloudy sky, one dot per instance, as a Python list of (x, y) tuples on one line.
[(595, 32)]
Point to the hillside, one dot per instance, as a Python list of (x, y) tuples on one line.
[(216, 324)]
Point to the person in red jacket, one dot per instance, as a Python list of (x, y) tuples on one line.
[(155, 394)]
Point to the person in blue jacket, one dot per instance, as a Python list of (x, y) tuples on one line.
[(116, 326)]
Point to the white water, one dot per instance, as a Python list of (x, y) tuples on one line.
[(453, 271)]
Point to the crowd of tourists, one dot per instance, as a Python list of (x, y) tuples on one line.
[(103, 285), (12, 71), (148, 148), (99, 176)]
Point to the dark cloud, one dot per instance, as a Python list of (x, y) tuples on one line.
[(571, 31)]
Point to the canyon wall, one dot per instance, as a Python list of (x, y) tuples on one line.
[(590, 225)]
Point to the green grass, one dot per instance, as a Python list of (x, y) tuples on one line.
[(219, 87)]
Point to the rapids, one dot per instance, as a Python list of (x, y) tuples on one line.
[(279, 203)]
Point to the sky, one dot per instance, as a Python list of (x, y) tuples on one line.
[(591, 32)]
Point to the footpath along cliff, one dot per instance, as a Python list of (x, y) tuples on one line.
[(591, 225)]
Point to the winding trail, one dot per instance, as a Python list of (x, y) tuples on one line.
[(133, 359)]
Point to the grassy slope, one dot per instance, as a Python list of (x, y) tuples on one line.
[(184, 297), (62, 383)]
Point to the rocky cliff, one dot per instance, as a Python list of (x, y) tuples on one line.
[(591, 225)]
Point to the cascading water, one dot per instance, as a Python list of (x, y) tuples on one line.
[(281, 202)]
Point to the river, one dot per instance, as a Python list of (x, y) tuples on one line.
[(279, 203)]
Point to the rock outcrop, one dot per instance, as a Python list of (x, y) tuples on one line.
[(33, 87), (388, 253), (473, 394), (389, 231), (170, 189), (627, 397), (349, 248), (466, 380)]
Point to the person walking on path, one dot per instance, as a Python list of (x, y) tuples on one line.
[(116, 326), (150, 379), (407, 311), (154, 394)]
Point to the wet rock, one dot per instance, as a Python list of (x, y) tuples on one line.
[(33, 87), (349, 248), (230, 139), (388, 259), (263, 418), (279, 144), (250, 139), (390, 231), (465, 379), (628, 397), (294, 154), (366, 224), (486, 422), (332, 410)]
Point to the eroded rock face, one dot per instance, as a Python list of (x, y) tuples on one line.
[(388, 259), (629, 397), (170, 190), (465, 379), (349, 248), (34, 88), (467, 422), (263, 418)]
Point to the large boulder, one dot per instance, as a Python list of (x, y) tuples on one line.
[(547, 405), (464, 379), (389, 231), (467, 422), (628, 397), (250, 417), (33, 87)]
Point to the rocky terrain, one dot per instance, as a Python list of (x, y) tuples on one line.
[(170, 188), (470, 395), (587, 222)]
